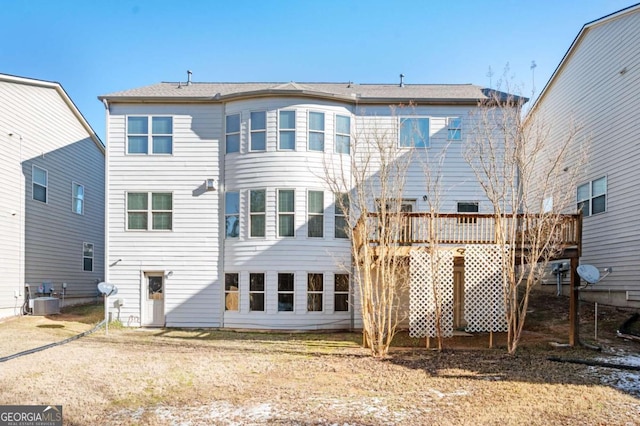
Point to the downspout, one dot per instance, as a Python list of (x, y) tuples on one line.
[(221, 219), (106, 191)]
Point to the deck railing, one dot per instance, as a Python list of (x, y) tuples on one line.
[(473, 228)]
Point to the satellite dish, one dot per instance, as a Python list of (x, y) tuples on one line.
[(107, 289), (589, 273)]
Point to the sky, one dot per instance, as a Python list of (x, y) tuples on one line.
[(96, 47)]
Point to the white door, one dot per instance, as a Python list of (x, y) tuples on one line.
[(154, 300)]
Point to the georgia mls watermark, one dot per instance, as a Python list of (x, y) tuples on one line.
[(30, 415)]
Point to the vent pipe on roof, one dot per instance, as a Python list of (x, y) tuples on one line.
[(189, 77), (401, 80)]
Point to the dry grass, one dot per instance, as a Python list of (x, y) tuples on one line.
[(158, 377)]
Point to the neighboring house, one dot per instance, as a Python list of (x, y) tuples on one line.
[(597, 86), (219, 213), (52, 214)]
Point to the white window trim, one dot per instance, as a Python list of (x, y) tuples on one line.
[(405, 117), (263, 292), (149, 211), (73, 198), (294, 130), (46, 185), (226, 237), (449, 128), (309, 214), (348, 292), (150, 135), (336, 133), (337, 212), (239, 133), (262, 213), (293, 292), (227, 292), (93, 257), (323, 132), (251, 132), (278, 213), (591, 196), (321, 293)]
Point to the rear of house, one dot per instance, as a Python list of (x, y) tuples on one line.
[(596, 87), (219, 209), (52, 218)]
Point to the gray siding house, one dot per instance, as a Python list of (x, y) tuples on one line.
[(597, 87), (212, 190), (52, 214)]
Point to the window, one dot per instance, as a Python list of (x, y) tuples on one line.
[(467, 207), (232, 214), (77, 198), (315, 208), (140, 141), (592, 197), (341, 209), (286, 213), (258, 131), (257, 210), (39, 179), (256, 292), (316, 131), (414, 132), (285, 292), (232, 135), (231, 293), (139, 216), (341, 293), (343, 134), (454, 129), (87, 257), (315, 286), (287, 127)]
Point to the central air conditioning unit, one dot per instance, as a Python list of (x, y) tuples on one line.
[(46, 306)]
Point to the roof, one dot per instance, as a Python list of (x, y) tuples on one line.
[(65, 97), (574, 45), (348, 92)]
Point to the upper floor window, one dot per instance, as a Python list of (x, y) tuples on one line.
[(287, 130), (87, 257), (315, 209), (77, 198), (258, 131), (316, 131), (232, 133), (341, 210), (149, 210), (414, 132), (232, 214), (257, 209), (286, 213), (141, 141), (592, 197), (343, 134), (40, 184), (454, 129)]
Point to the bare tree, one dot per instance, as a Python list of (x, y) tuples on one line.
[(526, 178), (369, 190)]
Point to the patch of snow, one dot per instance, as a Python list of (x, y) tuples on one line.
[(625, 380)]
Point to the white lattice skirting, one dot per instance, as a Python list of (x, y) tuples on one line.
[(484, 308)]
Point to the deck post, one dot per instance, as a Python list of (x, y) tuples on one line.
[(574, 321)]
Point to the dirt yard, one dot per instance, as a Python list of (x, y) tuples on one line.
[(202, 377)]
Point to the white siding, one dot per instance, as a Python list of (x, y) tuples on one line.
[(191, 249), (52, 235), (599, 87)]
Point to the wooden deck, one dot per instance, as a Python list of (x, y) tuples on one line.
[(422, 229)]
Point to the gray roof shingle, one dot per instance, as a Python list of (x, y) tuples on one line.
[(437, 93)]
